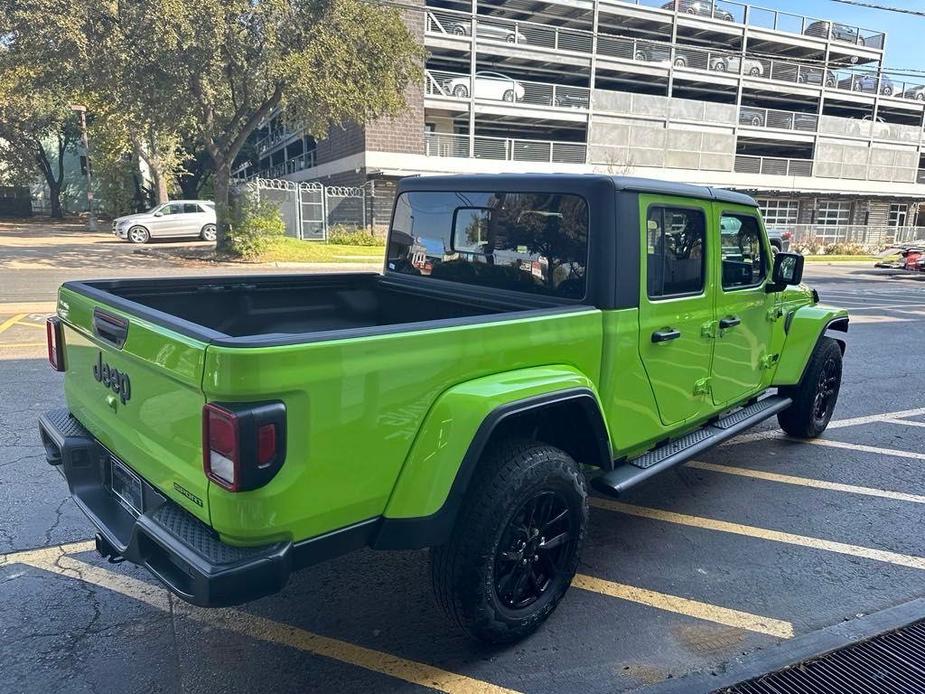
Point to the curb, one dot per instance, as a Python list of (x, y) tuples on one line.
[(788, 653)]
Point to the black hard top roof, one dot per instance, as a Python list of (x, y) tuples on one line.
[(560, 182)]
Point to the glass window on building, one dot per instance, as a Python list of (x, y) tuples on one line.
[(831, 218), (779, 212), (898, 214)]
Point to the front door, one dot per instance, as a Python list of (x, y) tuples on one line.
[(676, 304), (170, 220), (743, 308)]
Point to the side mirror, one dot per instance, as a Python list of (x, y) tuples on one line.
[(158, 214), (788, 270)]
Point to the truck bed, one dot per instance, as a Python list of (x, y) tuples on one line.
[(280, 306)]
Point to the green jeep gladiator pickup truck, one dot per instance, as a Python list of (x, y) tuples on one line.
[(528, 334)]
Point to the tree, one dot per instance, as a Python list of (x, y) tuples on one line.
[(219, 68), (37, 128)]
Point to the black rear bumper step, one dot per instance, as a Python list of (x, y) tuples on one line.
[(680, 450), (179, 549)]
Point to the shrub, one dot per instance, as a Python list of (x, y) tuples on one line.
[(348, 236), (254, 226)]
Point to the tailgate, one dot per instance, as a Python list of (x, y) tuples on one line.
[(139, 393)]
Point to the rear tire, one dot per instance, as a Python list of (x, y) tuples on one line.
[(815, 397), (208, 233), (501, 574)]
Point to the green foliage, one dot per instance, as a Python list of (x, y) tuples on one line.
[(255, 224), (348, 236)]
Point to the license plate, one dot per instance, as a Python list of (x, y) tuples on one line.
[(126, 485)]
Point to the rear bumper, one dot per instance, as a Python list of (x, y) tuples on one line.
[(179, 549)]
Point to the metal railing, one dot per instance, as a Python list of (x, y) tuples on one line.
[(781, 120), (459, 24), (773, 166), (303, 161), (873, 235), (920, 178), (500, 88), (768, 18), (267, 141), (504, 148)]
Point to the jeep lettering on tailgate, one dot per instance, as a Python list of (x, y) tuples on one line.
[(117, 381)]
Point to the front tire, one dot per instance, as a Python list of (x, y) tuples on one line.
[(139, 235), (208, 233), (815, 397), (515, 545)]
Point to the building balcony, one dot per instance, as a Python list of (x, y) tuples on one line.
[(505, 149), (773, 166)]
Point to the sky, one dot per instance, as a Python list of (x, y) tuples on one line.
[(904, 32)]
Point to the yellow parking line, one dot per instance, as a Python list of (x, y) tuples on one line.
[(854, 421), (40, 326), (761, 533), (865, 449), (904, 421), (253, 626), (806, 482), (43, 554), (10, 322), (23, 344), (692, 608)]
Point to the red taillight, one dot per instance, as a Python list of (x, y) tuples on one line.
[(55, 337), (266, 444), (787, 235), (243, 443), (221, 454)]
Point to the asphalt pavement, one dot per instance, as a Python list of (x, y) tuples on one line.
[(757, 544)]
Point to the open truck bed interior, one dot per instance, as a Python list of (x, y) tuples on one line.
[(270, 306)]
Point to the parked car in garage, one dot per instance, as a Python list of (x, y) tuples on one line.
[(701, 8), (174, 219), (813, 75), (656, 53), (868, 84), (916, 92), (754, 117), (834, 31), (488, 31), (488, 85), (735, 63)]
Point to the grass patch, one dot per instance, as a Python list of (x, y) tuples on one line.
[(290, 250), (841, 259)]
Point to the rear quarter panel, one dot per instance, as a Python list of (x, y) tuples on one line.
[(355, 407)]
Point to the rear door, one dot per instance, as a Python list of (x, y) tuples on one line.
[(676, 304), (743, 307), (137, 387)]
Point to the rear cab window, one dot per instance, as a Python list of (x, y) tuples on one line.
[(528, 242)]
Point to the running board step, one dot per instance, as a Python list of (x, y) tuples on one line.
[(675, 452)]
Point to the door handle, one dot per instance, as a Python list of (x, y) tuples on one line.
[(665, 335), (729, 322)]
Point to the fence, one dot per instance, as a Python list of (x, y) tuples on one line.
[(873, 235), (773, 166), (309, 210)]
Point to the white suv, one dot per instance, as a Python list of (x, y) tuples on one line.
[(191, 218)]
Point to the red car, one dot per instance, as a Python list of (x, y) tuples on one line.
[(914, 259)]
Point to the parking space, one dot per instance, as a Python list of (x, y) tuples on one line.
[(758, 542)]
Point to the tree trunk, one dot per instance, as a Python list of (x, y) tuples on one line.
[(222, 184), (54, 200), (160, 183)]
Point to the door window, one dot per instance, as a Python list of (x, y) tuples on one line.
[(191, 208), (744, 263), (675, 239), (172, 208)]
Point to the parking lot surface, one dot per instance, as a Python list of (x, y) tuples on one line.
[(759, 542)]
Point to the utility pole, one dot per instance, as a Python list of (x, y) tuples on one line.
[(88, 177)]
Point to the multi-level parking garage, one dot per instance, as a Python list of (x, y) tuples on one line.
[(798, 110)]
